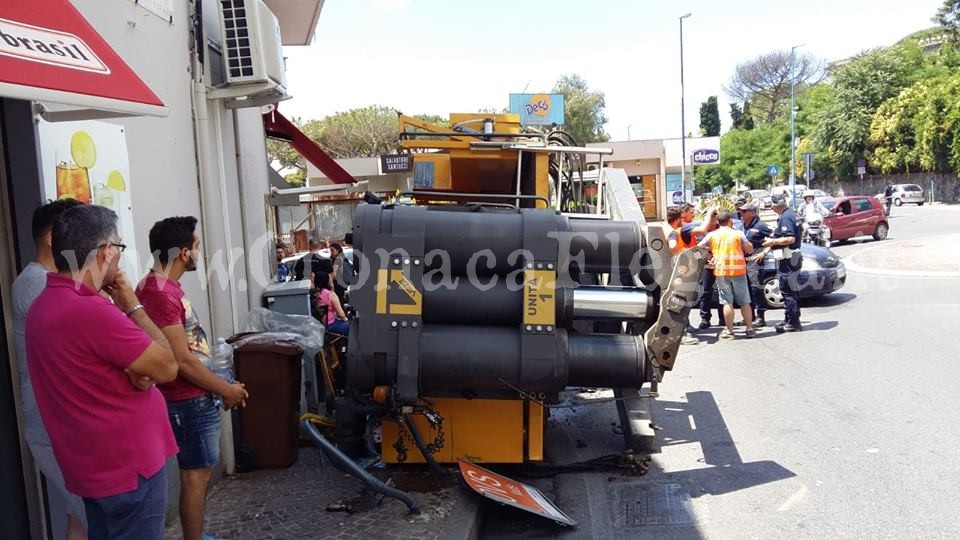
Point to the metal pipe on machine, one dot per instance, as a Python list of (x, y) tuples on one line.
[(501, 303), (600, 303)]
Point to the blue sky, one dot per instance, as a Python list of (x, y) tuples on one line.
[(434, 56)]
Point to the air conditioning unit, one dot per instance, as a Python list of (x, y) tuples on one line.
[(252, 55)]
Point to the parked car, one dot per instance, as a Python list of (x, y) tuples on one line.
[(762, 197), (904, 194), (851, 217), (820, 195), (822, 273), (798, 189), (907, 193)]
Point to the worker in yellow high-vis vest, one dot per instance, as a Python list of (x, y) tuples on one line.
[(729, 249)]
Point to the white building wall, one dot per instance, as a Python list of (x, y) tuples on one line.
[(165, 179), (254, 183), (674, 154), (163, 162)]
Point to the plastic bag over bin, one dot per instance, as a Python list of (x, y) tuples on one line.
[(271, 327)]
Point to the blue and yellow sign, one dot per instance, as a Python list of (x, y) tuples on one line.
[(538, 109)]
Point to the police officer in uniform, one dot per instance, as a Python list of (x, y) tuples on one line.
[(785, 246)]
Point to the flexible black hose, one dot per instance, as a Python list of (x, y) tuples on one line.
[(573, 165), (418, 440), (345, 464)]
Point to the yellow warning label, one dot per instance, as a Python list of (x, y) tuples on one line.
[(539, 297), (385, 280)]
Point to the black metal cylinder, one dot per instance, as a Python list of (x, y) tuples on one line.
[(469, 357), (607, 361), (605, 245), (491, 242), (476, 358), (456, 301), (462, 236)]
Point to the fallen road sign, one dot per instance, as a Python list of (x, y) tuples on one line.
[(510, 492)]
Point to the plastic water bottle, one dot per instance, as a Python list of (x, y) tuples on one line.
[(222, 362)]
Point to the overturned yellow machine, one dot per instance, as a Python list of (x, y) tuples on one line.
[(513, 273)]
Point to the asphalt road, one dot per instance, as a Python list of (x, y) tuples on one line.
[(849, 429)]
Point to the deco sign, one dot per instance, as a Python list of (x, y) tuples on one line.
[(538, 109), (706, 156)]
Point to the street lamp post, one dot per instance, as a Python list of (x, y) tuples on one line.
[(683, 125), (793, 128)]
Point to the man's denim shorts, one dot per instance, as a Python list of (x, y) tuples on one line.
[(196, 426), (733, 290), (135, 515)]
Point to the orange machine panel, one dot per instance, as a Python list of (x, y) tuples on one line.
[(479, 430)]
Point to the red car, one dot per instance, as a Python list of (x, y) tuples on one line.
[(851, 217)]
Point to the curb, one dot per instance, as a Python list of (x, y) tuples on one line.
[(853, 266), (465, 517)]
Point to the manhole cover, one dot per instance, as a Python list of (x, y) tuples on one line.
[(653, 504)]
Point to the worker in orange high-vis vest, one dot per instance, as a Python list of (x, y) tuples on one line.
[(686, 235), (729, 249), (683, 237), (678, 241)]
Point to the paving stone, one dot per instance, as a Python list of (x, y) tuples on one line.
[(291, 504)]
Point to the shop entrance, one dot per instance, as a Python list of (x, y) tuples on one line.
[(13, 498), (645, 187)]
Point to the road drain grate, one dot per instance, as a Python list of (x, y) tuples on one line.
[(653, 504)]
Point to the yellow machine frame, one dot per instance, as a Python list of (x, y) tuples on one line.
[(460, 166)]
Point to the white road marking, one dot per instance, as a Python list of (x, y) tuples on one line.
[(794, 499), (693, 425)]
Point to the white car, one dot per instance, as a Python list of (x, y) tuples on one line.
[(907, 193), (762, 197), (785, 190), (819, 195)]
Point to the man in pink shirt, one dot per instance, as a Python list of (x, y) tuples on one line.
[(193, 411), (93, 364)]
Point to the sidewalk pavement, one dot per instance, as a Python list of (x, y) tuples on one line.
[(937, 253), (292, 503)]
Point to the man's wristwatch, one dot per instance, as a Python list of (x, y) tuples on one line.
[(134, 309)]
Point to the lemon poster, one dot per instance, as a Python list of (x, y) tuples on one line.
[(87, 161)]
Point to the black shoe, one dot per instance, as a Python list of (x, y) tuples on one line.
[(703, 325), (759, 323), (787, 327)]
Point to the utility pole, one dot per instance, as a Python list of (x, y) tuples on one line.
[(793, 128), (683, 125)]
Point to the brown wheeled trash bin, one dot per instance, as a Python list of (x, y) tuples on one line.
[(269, 422)]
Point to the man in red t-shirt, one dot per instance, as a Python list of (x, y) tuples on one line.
[(92, 364), (192, 409)]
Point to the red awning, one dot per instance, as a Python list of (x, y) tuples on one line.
[(278, 127), (49, 52)]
